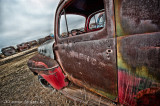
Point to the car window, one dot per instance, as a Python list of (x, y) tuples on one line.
[(63, 27), (97, 21), (72, 25)]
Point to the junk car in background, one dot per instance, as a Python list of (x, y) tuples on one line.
[(42, 40), (48, 37), (116, 58), (23, 46), (8, 51), (33, 43)]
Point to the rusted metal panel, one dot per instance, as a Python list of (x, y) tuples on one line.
[(33, 43), (42, 65), (92, 63), (8, 51), (138, 68), (49, 70), (137, 16), (42, 40), (23, 46), (89, 59), (48, 37), (138, 51)]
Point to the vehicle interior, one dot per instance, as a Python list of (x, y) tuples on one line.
[(81, 16)]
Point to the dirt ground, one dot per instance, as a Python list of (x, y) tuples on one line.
[(18, 86)]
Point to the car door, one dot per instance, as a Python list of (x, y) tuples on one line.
[(89, 59)]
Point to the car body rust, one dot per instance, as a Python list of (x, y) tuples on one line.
[(119, 61)]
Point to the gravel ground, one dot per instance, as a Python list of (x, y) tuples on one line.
[(18, 86)]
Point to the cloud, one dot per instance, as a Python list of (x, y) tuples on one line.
[(25, 20)]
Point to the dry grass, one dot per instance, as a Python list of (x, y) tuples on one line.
[(18, 86)]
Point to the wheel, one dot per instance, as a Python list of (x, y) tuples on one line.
[(44, 83)]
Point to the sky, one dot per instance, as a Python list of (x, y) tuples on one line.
[(25, 20)]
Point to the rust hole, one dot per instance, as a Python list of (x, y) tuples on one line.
[(109, 50), (108, 57), (107, 54)]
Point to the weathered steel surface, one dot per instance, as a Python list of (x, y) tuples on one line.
[(56, 80), (89, 59), (33, 43), (137, 16), (42, 65), (92, 63), (8, 51), (49, 70), (23, 46), (138, 51), (138, 68), (42, 40)]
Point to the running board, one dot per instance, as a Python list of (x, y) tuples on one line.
[(85, 97)]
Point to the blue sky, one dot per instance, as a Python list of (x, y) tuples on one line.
[(25, 20)]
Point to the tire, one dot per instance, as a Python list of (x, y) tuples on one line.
[(44, 83)]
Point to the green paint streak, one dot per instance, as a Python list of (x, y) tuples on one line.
[(119, 29), (140, 71), (143, 72), (121, 63)]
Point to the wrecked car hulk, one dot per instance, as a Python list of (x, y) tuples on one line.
[(109, 47), (8, 51)]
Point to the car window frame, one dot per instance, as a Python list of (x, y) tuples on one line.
[(89, 19), (67, 26)]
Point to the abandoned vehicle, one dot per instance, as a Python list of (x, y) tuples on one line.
[(109, 47)]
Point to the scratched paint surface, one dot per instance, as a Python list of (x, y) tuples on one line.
[(137, 16), (138, 66), (138, 50), (137, 54), (90, 63), (89, 59), (53, 76)]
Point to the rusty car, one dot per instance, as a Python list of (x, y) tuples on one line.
[(116, 58), (23, 46), (42, 40), (8, 51), (33, 43)]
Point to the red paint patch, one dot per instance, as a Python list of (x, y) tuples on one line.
[(127, 88), (149, 97), (56, 79)]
